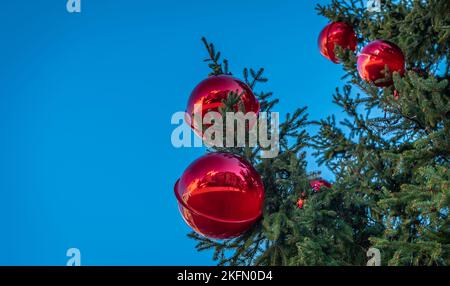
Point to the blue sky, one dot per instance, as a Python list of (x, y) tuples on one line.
[(86, 100)]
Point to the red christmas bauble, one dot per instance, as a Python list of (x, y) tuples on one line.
[(300, 203), (316, 185), (220, 195), (396, 95), (336, 34), (373, 59), (209, 94)]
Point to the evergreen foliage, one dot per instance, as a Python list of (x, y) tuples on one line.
[(390, 157)]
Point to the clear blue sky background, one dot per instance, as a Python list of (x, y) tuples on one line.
[(86, 100)]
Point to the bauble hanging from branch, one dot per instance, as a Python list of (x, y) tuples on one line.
[(209, 95), (336, 34), (375, 57), (220, 195)]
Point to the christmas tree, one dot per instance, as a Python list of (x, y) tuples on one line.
[(390, 157)]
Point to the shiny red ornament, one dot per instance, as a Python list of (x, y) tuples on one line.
[(396, 95), (300, 203), (336, 34), (316, 185), (373, 59), (220, 195), (209, 94)]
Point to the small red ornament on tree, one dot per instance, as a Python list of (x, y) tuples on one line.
[(316, 185), (373, 59), (220, 195), (209, 94), (300, 203), (336, 34), (396, 95)]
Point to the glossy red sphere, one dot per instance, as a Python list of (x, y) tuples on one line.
[(316, 185), (336, 34), (220, 195), (373, 59), (209, 94), (300, 203), (396, 95)]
